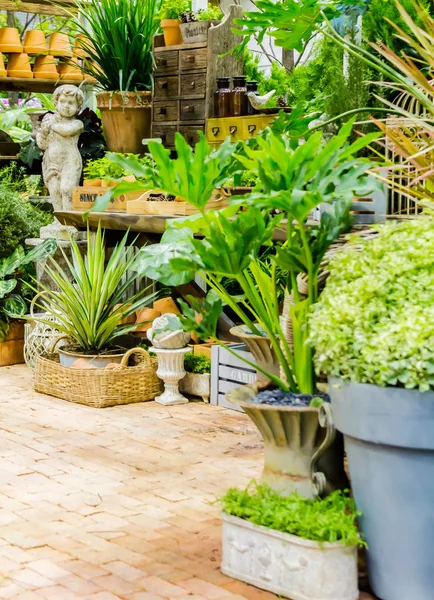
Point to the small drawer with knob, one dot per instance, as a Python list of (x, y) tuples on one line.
[(166, 111), (166, 62), (192, 110), (251, 126), (193, 59), (191, 133), (166, 87), (193, 84), (166, 133), (215, 131)]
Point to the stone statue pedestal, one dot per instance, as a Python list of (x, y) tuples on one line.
[(171, 370)]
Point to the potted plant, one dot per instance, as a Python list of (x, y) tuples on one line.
[(197, 381), (170, 24), (294, 180), (117, 37), (295, 547), (88, 302), (372, 332), (195, 25), (16, 271)]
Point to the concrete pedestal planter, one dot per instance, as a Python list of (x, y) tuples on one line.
[(301, 451), (288, 565), (262, 350), (389, 440)]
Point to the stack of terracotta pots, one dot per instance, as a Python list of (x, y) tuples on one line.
[(35, 45)]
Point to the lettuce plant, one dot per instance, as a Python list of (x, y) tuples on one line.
[(374, 322)]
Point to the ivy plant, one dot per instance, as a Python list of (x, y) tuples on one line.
[(374, 321)]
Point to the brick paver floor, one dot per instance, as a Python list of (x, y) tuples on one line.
[(114, 503)]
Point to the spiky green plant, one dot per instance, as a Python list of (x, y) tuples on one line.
[(88, 305), (117, 36)]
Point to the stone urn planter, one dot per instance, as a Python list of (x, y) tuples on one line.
[(261, 349), (288, 565), (196, 384), (389, 441), (301, 450), (126, 119)]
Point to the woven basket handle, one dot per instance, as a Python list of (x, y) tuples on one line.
[(56, 341), (126, 356)]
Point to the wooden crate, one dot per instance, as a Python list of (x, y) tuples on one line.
[(143, 206), (12, 349), (83, 198), (229, 372)]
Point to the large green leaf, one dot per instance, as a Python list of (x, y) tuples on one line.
[(14, 306), (155, 261), (46, 248), (6, 286), (10, 264)]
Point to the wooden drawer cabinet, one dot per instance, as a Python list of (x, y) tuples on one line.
[(166, 111), (192, 110), (167, 63), (185, 81), (166, 133), (193, 84), (166, 87), (191, 132), (193, 59)]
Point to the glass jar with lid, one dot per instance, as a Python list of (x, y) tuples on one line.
[(251, 86), (222, 98), (239, 96)]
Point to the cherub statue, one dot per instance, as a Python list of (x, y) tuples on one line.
[(58, 137)]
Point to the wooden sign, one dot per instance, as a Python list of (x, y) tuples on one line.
[(83, 199)]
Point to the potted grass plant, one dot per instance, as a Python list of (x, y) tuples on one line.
[(116, 36), (170, 13), (373, 336), (88, 303), (293, 181), (295, 547)]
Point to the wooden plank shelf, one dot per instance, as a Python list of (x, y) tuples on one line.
[(44, 86)]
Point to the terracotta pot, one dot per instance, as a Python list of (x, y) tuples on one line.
[(34, 42), (148, 315), (126, 119), (92, 182), (3, 72), (69, 70), (127, 320), (45, 68), (172, 32), (10, 40), (166, 305), (78, 48), (59, 45), (86, 77), (19, 66)]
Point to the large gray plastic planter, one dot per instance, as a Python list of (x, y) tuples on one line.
[(389, 439)]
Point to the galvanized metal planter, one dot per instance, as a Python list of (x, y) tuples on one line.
[(389, 440)]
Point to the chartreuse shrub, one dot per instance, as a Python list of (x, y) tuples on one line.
[(374, 322), (197, 363), (332, 519)]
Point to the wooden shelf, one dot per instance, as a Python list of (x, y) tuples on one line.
[(115, 221), (45, 86)]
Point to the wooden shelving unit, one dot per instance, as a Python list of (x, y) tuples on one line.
[(44, 86)]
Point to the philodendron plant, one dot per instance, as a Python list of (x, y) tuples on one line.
[(16, 273), (293, 181)]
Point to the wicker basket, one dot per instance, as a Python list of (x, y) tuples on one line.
[(99, 387)]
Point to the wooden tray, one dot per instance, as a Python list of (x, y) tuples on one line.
[(83, 198), (143, 206)]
